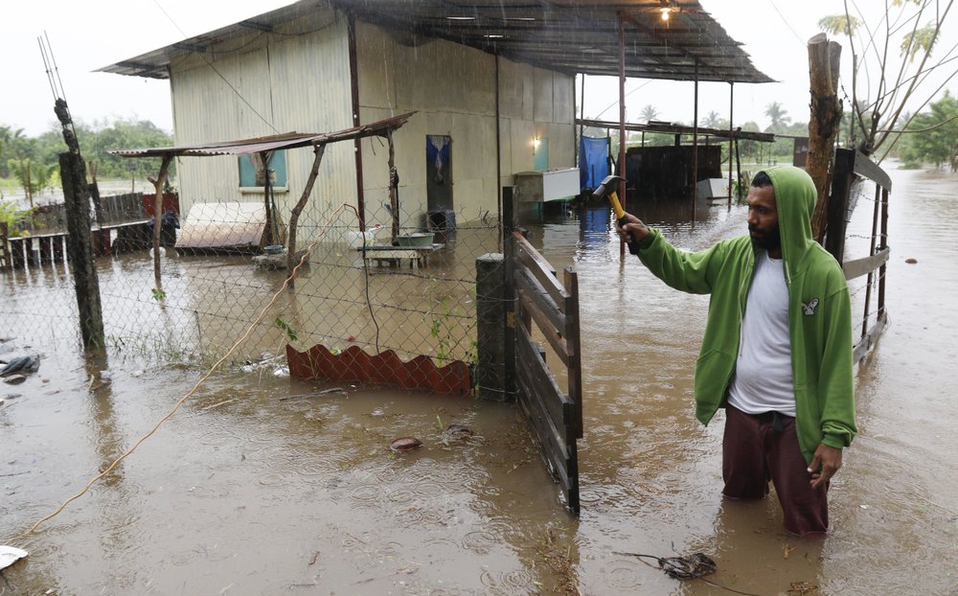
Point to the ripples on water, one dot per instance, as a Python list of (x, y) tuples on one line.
[(243, 493)]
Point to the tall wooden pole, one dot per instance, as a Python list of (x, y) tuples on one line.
[(695, 144), (731, 110), (824, 61), (80, 241)]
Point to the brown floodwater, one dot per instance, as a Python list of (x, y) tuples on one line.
[(260, 485)]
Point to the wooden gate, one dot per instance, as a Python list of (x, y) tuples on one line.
[(852, 166), (546, 308)]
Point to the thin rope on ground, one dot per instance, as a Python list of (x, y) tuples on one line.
[(197, 385)]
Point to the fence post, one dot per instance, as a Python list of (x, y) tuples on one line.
[(842, 176), (80, 249), (491, 325), (509, 225)]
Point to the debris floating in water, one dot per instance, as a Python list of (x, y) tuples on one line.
[(405, 444), (456, 432), (691, 566)]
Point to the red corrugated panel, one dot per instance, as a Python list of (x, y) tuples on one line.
[(354, 364)]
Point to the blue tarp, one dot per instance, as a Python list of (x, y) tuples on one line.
[(593, 161)]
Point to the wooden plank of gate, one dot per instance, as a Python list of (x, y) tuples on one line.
[(551, 334), (573, 342), (865, 265), (556, 402), (562, 457), (541, 269)]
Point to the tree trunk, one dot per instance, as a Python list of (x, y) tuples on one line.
[(292, 259), (158, 183), (824, 61)]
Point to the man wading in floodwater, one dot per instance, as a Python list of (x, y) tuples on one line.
[(777, 350)]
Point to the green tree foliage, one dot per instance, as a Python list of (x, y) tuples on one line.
[(95, 143), (778, 116), (123, 134), (932, 137), (649, 113), (712, 120), (11, 215), (33, 177), (14, 145)]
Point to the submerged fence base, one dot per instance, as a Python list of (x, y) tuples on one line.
[(353, 364)]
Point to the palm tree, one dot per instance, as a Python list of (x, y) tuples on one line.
[(649, 113), (777, 115), (712, 120)]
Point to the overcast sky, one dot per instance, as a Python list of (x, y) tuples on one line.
[(89, 34)]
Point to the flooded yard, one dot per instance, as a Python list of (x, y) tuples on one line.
[(259, 484)]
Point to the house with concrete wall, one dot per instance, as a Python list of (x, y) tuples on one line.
[(312, 67)]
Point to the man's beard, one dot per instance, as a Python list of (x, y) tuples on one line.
[(766, 239)]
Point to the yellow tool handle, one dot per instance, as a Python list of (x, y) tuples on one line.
[(616, 206), (620, 217)]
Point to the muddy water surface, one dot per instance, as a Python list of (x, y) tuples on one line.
[(257, 485)]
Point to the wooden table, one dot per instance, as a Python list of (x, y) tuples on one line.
[(397, 255)]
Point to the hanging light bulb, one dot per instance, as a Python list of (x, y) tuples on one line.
[(666, 12)]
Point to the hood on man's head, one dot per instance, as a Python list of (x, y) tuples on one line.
[(795, 198)]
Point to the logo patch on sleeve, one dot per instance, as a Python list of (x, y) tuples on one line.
[(809, 307)]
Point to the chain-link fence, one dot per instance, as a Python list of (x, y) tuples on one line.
[(367, 289)]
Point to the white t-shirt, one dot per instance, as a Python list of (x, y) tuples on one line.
[(763, 372)]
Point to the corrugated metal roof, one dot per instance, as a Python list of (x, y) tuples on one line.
[(572, 36), (289, 140)]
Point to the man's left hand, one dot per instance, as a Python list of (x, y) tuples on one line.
[(824, 464)]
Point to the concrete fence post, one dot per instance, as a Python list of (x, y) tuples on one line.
[(490, 378)]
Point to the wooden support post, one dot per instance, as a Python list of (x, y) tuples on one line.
[(824, 61), (4, 246), (158, 183), (46, 249), (838, 203), (58, 249), (80, 249), (292, 259), (31, 254), (394, 188), (17, 260)]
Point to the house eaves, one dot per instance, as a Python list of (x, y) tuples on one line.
[(570, 36)]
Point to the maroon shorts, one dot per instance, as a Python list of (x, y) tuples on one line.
[(763, 447)]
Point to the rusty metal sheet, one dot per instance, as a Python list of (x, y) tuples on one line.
[(289, 140), (353, 364)]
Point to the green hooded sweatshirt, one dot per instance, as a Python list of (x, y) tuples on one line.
[(819, 314)]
